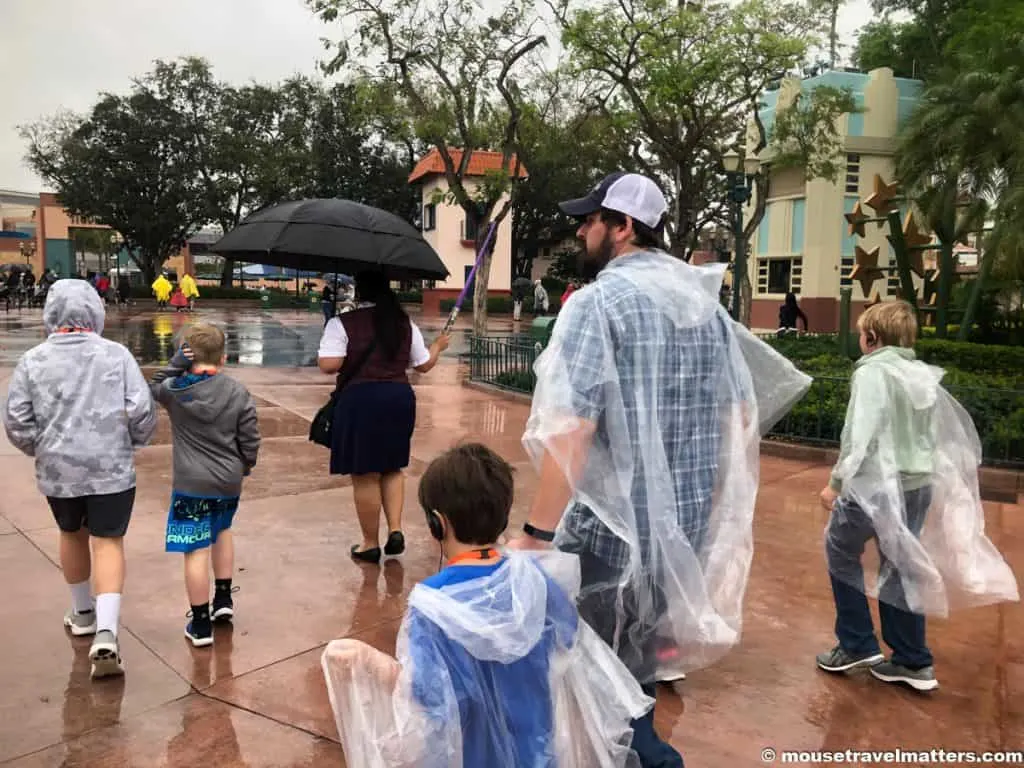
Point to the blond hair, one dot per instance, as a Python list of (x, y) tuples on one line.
[(892, 324), (207, 343)]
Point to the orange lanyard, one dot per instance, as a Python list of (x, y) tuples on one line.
[(487, 553)]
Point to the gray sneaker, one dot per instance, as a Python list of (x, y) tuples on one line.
[(80, 623), (918, 679), (838, 660), (105, 655)]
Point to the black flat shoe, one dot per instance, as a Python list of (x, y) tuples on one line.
[(396, 544), (367, 555)]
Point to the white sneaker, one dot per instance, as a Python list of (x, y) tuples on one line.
[(80, 623), (105, 655)]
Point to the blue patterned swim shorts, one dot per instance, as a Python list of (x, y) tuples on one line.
[(194, 522)]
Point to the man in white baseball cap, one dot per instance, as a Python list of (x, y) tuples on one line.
[(648, 469), (628, 195)]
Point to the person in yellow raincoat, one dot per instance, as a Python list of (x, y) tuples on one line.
[(162, 290), (191, 291)]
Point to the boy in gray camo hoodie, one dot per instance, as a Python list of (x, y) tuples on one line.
[(79, 404)]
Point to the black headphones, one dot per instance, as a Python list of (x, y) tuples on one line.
[(435, 525)]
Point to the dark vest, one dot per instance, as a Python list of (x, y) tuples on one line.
[(358, 324)]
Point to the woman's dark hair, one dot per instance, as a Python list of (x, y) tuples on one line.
[(390, 323), (791, 299), (643, 236), (472, 487)]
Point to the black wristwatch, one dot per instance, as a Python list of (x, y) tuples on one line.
[(537, 533)]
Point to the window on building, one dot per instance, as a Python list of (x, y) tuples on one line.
[(853, 173), (845, 268), (470, 226), (893, 283), (429, 217), (779, 275)]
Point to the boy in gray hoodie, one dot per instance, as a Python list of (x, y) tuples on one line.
[(216, 442), (79, 404)]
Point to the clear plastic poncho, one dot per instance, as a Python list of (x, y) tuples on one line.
[(678, 397), (492, 671), (928, 522)]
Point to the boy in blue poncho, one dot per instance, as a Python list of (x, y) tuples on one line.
[(490, 652)]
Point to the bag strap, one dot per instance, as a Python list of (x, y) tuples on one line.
[(347, 374)]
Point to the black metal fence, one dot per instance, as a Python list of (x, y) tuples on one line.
[(817, 419)]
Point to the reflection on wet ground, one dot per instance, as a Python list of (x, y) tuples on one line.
[(280, 338)]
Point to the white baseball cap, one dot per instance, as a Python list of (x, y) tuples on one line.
[(631, 194)]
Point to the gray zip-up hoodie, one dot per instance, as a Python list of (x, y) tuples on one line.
[(78, 402), (216, 433)]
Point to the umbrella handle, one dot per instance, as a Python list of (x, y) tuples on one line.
[(469, 280)]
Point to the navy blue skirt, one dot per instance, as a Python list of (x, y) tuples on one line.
[(372, 429)]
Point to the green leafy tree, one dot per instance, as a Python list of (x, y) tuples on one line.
[(130, 165), (677, 82), (567, 148), (453, 67)]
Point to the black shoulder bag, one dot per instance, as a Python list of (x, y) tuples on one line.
[(320, 428)]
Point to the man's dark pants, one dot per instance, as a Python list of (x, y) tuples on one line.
[(598, 607), (848, 531)]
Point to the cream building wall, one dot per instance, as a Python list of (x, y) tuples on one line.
[(802, 244), (447, 237)]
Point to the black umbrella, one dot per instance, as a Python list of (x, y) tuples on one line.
[(332, 235)]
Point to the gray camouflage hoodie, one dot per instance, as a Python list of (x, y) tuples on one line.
[(78, 402)]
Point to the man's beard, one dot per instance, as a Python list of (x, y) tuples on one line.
[(593, 262)]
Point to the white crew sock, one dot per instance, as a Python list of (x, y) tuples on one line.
[(108, 608), (81, 596)]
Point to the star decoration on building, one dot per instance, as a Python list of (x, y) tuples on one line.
[(881, 200), (866, 270), (856, 219)]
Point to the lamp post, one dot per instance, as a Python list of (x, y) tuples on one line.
[(739, 174)]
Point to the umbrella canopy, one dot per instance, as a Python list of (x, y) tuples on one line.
[(332, 235)]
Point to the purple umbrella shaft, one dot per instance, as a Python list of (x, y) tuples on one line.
[(469, 280)]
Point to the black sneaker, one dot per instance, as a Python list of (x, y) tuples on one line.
[(838, 660), (396, 544), (918, 679), (200, 633), (223, 608)]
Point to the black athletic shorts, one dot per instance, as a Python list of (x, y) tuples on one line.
[(106, 516)]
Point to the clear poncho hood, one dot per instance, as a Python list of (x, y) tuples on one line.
[(655, 424)]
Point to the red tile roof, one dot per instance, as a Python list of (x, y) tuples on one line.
[(480, 162)]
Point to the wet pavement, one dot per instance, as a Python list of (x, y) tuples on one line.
[(277, 338), (257, 698)]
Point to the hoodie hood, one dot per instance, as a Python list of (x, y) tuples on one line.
[(499, 617), (919, 381), (75, 304)]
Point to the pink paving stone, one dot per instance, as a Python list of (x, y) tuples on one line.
[(258, 698)]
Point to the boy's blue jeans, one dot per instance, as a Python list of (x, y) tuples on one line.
[(902, 631)]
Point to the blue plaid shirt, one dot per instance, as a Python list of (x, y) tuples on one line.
[(681, 367)]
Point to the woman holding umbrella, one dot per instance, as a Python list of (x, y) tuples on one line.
[(371, 348)]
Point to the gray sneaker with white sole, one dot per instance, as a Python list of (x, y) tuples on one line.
[(918, 679), (838, 660), (105, 655), (80, 623)]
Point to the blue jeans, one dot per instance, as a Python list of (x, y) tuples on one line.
[(902, 630)]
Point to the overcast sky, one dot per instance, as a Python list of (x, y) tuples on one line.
[(61, 53)]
